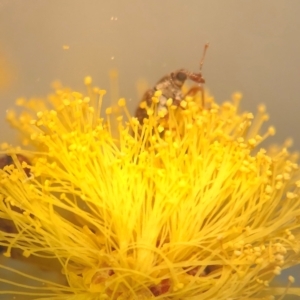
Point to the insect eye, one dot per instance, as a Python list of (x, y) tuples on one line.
[(181, 76)]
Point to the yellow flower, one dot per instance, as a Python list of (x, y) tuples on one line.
[(186, 206)]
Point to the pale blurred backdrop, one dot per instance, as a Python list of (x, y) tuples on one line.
[(254, 48)]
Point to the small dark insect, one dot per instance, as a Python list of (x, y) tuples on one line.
[(170, 86), (8, 225), (7, 160)]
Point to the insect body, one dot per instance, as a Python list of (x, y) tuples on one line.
[(7, 160), (7, 225), (170, 87)]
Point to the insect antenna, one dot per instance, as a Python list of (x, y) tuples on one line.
[(203, 55), (200, 67)]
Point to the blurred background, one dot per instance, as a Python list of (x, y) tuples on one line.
[(254, 49)]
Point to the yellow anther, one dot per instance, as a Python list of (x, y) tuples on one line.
[(262, 108), (160, 129), (143, 104), (271, 130), (66, 102), (169, 102), (88, 80), (291, 279), (20, 101), (40, 114), (268, 189), (108, 111), (277, 270), (158, 94), (150, 112), (183, 104), (122, 102), (237, 96), (252, 142), (155, 100)]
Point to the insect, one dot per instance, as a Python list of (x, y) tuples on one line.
[(7, 160), (171, 87), (5, 224)]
